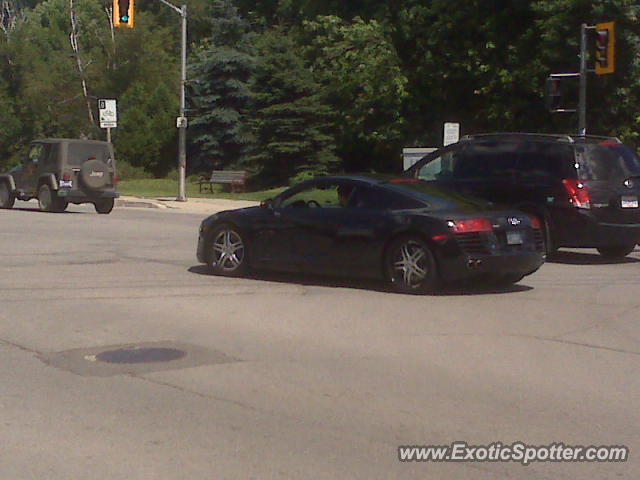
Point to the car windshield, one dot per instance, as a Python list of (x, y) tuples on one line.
[(608, 161), (79, 153)]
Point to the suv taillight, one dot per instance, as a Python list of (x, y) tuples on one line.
[(472, 225), (115, 179), (578, 193), (66, 177)]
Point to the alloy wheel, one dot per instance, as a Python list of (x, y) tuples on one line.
[(228, 251)]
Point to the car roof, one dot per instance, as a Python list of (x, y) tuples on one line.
[(69, 140), (369, 178), (566, 138)]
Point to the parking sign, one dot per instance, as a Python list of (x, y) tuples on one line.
[(108, 113)]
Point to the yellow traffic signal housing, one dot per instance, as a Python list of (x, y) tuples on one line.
[(605, 48), (123, 13)]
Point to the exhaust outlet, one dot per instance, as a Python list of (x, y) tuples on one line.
[(473, 263)]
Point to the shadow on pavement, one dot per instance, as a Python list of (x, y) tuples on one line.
[(360, 284), (582, 258), (37, 210)]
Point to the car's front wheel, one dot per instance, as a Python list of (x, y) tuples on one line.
[(616, 252), (227, 251), (410, 266), (49, 202), (7, 198)]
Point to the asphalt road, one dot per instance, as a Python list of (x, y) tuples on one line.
[(291, 377)]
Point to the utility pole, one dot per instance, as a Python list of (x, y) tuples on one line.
[(181, 122), (582, 100), (605, 64)]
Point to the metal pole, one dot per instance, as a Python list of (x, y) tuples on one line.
[(582, 102), (182, 139), (109, 134)]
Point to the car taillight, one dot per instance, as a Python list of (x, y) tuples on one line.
[(116, 179), (535, 222), (471, 225), (66, 177), (578, 193)]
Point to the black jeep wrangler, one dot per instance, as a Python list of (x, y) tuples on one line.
[(60, 171)]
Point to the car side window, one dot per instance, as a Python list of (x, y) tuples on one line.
[(486, 161), (35, 153), (316, 196), (379, 199), (439, 168), (545, 161), (48, 156)]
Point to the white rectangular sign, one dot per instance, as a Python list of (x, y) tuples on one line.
[(108, 113), (451, 133)]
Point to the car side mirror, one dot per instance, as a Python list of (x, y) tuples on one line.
[(268, 203)]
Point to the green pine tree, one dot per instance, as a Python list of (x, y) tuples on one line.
[(220, 93), (291, 124)]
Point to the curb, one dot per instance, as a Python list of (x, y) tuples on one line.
[(141, 203)]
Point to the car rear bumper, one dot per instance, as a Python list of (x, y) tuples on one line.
[(585, 230), (471, 266), (81, 196)]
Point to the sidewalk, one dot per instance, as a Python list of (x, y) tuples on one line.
[(192, 205)]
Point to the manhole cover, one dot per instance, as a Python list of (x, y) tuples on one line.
[(140, 355)]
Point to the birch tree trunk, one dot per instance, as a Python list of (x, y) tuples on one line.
[(76, 50)]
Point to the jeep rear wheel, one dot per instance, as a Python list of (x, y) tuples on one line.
[(49, 201), (105, 206), (616, 252), (7, 198)]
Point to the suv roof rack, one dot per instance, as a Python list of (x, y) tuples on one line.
[(569, 138)]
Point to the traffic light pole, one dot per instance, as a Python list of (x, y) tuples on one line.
[(182, 123), (582, 101)]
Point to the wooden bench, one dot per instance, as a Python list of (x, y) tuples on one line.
[(236, 178)]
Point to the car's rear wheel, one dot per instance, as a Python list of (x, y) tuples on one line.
[(616, 252), (105, 206), (7, 198), (227, 251), (410, 266), (49, 202)]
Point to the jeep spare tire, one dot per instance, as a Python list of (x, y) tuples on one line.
[(94, 174)]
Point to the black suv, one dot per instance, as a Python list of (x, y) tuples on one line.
[(584, 189), (60, 171)]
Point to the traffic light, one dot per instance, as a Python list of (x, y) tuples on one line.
[(123, 13), (605, 48), (553, 94)]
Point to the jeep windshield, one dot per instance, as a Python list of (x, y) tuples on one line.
[(79, 153), (608, 161)]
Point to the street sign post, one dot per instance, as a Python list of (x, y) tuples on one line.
[(108, 115), (451, 133)]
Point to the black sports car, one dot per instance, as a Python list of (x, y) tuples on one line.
[(413, 234)]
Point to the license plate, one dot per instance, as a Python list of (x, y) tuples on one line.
[(629, 201), (514, 238)]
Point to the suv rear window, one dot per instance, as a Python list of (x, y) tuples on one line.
[(78, 153), (608, 161)]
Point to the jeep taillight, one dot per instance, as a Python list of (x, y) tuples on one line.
[(578, 193), (472, 225), (535, 222)]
